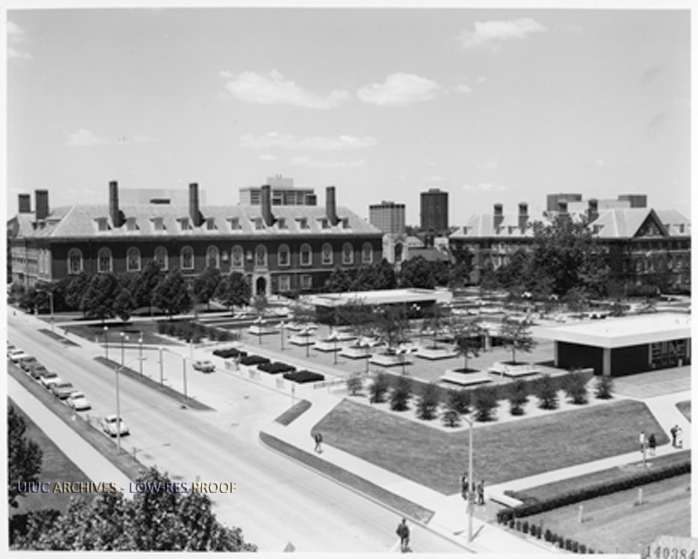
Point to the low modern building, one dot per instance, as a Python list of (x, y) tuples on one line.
[(279, 248), (283, 193), (623, 346)]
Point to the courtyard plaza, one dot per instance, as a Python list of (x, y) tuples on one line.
[(660, 390)]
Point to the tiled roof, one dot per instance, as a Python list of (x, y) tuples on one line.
[(83, 221)]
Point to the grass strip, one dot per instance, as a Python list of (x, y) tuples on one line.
[(128, 465), (403, 506), (150, 383), (685, 409), (57, 337), (293, 413)]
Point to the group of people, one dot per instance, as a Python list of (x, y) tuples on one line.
[(650, 442), (478, 495), (676, 436)]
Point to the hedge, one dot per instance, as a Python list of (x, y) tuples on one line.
[(301, 377), (252, 360), (276, 368), (228, 352)]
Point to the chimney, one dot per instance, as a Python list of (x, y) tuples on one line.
[(114, 212), (562, 206), (194, 213), (25, 204), (41, 200), (331, 206), (266, 205), (593, 210), (498, 215), (523, 216)]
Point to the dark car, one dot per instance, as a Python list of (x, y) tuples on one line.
[(38, 371), (27, 363)]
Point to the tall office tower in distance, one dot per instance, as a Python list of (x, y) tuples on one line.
[(389, 217), (434, 210)]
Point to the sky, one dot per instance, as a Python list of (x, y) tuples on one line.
[(490, 105)]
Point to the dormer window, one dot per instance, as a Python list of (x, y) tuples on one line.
[(303, 223), (259, 224), (131, 224), (281, 223), (158, 224), (210, 224), (235, 223), (185, 224), (345, 223), (325, 223), (102, 224)]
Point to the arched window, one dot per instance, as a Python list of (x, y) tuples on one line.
[(74, 261), (327, 256), (306, 255), (133, 260), (347, 254), (284, 256), (161, 258), (213, 257), (237, 257), (186, 257), (261, 255), (367, 254), (104, 260)]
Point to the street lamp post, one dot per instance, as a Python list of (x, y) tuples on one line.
[(50, 295), (140, 353), (117, 370), (334, 338), (471, 478), (106, 343), (184, 375), (161, 364), (282, 328), (124, 337)]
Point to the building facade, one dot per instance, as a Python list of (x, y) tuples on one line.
[(639, 242), (434, 210), (280, 249), (283, 193), (389, 217)]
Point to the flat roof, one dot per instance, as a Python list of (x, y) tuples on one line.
[(382, 297), (623, 331)]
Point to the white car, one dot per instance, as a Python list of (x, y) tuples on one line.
[(15, 355), (49, 379), (112, 425), (204, 366), (78, 401)]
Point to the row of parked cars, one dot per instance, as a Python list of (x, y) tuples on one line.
[(62, 389)]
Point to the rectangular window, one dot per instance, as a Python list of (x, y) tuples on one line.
[(131, 224), (259, 224), (102, 224), (235, 223), (184, 224), (345, 223), (325, 224), (210, 224), (303, 223), (306, 282), (281, 223), (284, 283), (158, 224)]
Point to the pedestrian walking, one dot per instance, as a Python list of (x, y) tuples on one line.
[(673, 435), (652, 443), (318, 442), (679, 437), (403, 531), (481, 492), (642, 442), (464, 485)]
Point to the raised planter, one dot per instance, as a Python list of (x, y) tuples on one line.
[(465, 379), (436, 353), (355, 352), (514, 371), (328, 345), (389, 360), (302, 340), (261, 330)]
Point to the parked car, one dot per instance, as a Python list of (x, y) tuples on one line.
[(78, 401), (204, 366), (15, 355), (38, 371), (49, 378), (26, 363), (111, 425), (62, 390)]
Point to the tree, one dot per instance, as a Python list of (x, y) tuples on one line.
[(458, 401), (485, 402), (391, 323), (517, 336), (76, 289), (379, 388), (417, 272), (144, 283), (428, 402), (546, 392), (575, 387), (172, 295), (604, 387), (436, 322), (451, 418), (234, 291), (23, 457), (155, 520), (340, 280), (355, 384), (468, 338), (401, 393), (518, 396), (205, 286), (98, 299), (124, 304)]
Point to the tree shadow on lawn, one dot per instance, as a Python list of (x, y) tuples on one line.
[(502, 452)]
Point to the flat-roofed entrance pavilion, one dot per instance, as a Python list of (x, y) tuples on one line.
[(623, 346)]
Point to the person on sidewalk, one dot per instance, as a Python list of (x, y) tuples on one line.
[(464, 486), (318, 443), (679, 437), (403, 531), (642, 443), (481, 492), (652, 443), (673, 435)]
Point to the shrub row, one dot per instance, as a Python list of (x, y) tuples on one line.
[(193, 332), (535, 506), (301, 377), (228, 352), (536, 531), (276, 368), (252, 360)]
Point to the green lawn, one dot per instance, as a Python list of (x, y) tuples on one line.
[(614, 524), (95, 332), (503, 452), (56, 466), (685, 408)]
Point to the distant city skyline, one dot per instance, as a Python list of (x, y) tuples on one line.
[(489, 105)]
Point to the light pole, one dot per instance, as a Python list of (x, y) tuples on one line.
[(124, 337), (140, 353), (282, 327), (334, 338), (118, 407), (50, 296), (184, 375), (471, 478), (160, 363), (106, 343)]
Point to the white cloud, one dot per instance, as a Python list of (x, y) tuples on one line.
[(488, 165), (15, 54), (15, 34), (305, 161), (137, 139), (84, 138), (315, 143), (492, 33), (267, 157), (274, 89), (14, 31), (487, 187), (435, 178), (399, 90), (464, 88)]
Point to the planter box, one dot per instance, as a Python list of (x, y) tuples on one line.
[(328, 345), (257, 330), (389, 360), (465, 379), (353, 352), (434, 354), (514, 371), (302, 340)]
